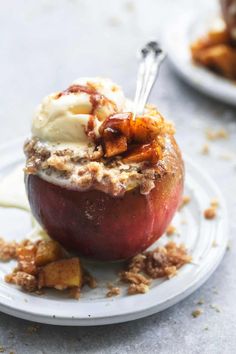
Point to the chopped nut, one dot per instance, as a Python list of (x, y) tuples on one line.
[(197, 313), (171, 230), (214, 203), (137, 263), (113, 291), (216, 134), (205, 149), (210, 213), (138, 289), (28, 282), (7, 250), (33, 328), (134, 278), (185, 200)]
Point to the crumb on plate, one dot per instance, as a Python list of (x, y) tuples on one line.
[(113, 291), (205, 150), (171, 230), (216, 134), (185, 200)]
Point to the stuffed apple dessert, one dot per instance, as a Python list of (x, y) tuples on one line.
[(217, 49), (102, 182)]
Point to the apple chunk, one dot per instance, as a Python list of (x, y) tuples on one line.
[(62, 274)]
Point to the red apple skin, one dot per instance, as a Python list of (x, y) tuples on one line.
[(98, 226)]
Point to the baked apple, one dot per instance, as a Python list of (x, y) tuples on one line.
[(103, 183)]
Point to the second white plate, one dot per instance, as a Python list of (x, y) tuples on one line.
[(179, 35)]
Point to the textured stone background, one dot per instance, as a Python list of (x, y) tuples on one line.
[(44, 46)]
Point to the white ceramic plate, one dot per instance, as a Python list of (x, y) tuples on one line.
[(206, 241), (179, 35)]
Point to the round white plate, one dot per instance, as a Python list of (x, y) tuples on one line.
[(205, 239), (179, 35)]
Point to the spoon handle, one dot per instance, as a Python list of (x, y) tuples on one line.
[(151, 58)]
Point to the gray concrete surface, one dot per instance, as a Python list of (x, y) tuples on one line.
[(44, 46)]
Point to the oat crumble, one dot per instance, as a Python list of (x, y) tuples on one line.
[(171, 230), (86, 168), (185, 200), (161, 262), (113, 291), (216, 134)]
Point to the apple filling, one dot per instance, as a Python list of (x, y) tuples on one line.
[(126, 153)]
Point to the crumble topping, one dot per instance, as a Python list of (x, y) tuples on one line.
[(7, 250), (211, 212), (113, 291), (87, 168)]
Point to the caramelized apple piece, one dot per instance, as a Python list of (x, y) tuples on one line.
[(213, 38), (140, 130), (48, 251), (221, 58), (62, 274), (115, 145), (26, 259), (148, 152), (145, 129), (117, 123)]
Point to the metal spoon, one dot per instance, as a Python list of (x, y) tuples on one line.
[(151, 59)]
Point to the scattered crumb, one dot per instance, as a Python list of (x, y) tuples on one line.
[(75, 293), (214, 203), (197, 313), (228, 248), (214, 243), (210, 213), (200, 302), (215, 291), (138, 289), (171, 230), (226, 157), (164, 261), (7, 250), (113, 291), (2, 350), (205, 149), (216, 134), (206, 328), (33, 328), (130, 7), (215, 307), (114, 21), (183, 222), (90, 280), (185, 200)]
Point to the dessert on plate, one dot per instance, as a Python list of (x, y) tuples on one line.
[(217, 49), (102, 181)]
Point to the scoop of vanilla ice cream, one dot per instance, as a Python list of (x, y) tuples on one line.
[(63, 118)]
